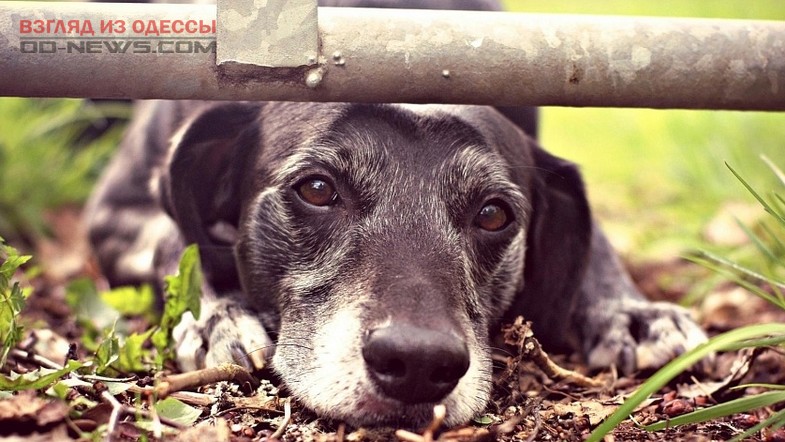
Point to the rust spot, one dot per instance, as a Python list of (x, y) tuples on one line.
[(577, 74)]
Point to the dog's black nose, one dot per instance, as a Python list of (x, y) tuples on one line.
[(414, 364)]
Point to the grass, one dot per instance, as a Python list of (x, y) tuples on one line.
[(656, 178), (44, 161), (767, 283)]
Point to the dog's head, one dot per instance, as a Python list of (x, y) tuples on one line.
[(380, 243)]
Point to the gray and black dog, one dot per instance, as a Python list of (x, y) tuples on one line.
[(375, 248)]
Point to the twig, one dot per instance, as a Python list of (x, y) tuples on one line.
[(408, 436), (246, 407), (117, 408), (157, 429), (536, 430), (38, 359), (198, 378), (94, 378), (287, 416), (520, 335), (193, 398), (439, 412)]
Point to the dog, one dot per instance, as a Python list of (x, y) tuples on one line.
[(371, 250)]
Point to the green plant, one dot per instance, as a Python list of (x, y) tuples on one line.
[(769, 286), (47, 158), (114, 350), (12, 299), (106, 331)]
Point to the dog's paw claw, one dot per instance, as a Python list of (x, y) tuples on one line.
[(216, 339), (639, 335)]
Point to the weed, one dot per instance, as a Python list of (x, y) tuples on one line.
[(769, 286)]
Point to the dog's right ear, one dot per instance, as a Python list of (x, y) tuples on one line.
[(205, 181), (557, 247)]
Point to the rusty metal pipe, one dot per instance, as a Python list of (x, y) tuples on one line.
[(404, 56)]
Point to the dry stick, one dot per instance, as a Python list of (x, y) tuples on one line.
[(157, 429), (245, 407), (198, 378), (94, 378), (117, 408), (188, 397), (287, 416), (193, 398), (439, 412), (38, 359), (536, 430), (531, 349), (408, 436), (171, 386)]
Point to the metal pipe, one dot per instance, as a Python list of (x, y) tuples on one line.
[(404, 56)]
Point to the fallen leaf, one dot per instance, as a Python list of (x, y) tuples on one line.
[(27, 407)]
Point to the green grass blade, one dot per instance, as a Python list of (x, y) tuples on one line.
[(774, 238), (741, 269), (711, 265), (764, 342), (779, 174), (782, 201), (758, 243), (757, 196), (777, 417), (721, 410), (759, 385), (679, 365)]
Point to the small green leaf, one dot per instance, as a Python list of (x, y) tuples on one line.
[(107, 352), (38, 379), (62, 387), (131, 301), (184, 289), (485, 419), (116, 388), (183, 292), (91, 311), (177, 411), (12, 299), (134, 357)]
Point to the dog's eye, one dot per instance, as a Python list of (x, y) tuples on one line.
[(317, 191), (493, 216)]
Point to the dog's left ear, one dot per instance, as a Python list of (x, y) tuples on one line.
[(204, 183), (557, 247)]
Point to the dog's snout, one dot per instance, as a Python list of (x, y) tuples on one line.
[(414, 364)]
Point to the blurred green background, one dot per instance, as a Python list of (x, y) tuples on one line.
[(656, 178)]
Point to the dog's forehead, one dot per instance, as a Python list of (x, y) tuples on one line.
[(424, 140), (447, 149)]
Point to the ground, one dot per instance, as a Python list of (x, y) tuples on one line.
[(528, 403)]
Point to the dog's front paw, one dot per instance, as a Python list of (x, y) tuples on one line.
[(222, 334), (639, 335)]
